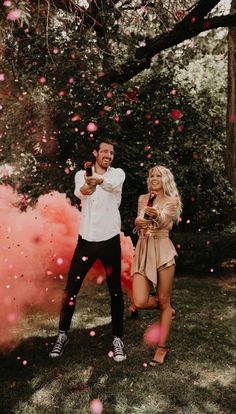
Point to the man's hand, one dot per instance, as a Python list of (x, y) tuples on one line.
[(87, 189), (93, 180)]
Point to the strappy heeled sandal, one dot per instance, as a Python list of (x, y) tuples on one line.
[(154, 362)]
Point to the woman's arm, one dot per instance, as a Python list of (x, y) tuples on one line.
[(168, 213), (140, 222)]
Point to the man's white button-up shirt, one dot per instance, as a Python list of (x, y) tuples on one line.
[(100, 217)]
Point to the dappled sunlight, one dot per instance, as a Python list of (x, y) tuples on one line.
[(44, 397), (224, 377), (96, 321)]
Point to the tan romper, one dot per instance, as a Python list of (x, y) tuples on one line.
[(154, 250)]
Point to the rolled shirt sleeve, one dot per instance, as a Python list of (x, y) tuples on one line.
[(79, 182), (113, 181), (100, 217)]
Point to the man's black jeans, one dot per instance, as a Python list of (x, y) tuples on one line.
[(86, 253)]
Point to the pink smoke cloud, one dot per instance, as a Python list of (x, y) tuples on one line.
[(152, 334), (36, 249)]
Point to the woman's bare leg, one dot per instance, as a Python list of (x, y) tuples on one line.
[(164, 289), (141, 293)]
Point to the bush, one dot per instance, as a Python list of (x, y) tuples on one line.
[(205, 253)]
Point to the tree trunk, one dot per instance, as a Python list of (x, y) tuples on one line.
[(230, 155)]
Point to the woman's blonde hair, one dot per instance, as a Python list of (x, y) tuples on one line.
[(169, 185)]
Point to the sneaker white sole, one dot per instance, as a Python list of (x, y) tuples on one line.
[(119, 358), (55, 354)]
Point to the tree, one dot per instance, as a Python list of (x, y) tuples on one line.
[(231, 110), (100, 15), (58, 85)]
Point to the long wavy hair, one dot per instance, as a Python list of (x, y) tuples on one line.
[(169, 185)]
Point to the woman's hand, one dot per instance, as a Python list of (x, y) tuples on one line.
[(151, 212), (142, 223)]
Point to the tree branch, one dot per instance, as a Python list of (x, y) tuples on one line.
[(192, 24)]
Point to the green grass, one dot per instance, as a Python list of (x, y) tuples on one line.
[(197, 377)]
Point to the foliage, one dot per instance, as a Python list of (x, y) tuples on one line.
[(56, 90), (205, 253)]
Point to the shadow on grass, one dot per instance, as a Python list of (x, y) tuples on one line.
[(196, 378)]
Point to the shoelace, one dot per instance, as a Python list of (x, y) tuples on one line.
[(118, 346), (60, 342)]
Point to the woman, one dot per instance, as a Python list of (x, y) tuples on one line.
[(154, 260)]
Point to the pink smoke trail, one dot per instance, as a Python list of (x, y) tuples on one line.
[(36, 249)]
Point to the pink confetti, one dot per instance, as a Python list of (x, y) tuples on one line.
[(206, 25), (180, 128), (107, 108), (11, 317), (2, 77), (42, 80), (96, 406), (180, 14), (195, 155), (100, 279), (60, 261), (152, 334), (92, 333), (92, 127), (14, 14), (76, 117), (7, 3), (176, 114), (110, 354)]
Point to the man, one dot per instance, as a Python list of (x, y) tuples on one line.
[(99, 238)]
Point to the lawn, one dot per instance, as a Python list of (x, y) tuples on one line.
[(197, 377)]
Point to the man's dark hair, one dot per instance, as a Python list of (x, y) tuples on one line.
[(105, 141)]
